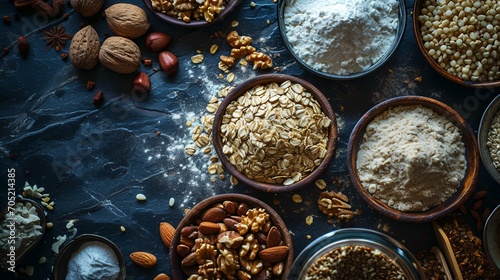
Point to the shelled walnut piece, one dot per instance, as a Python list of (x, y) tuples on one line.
[(467, 248), (335, 205), (245, 244), (242, 49), (186, 10)]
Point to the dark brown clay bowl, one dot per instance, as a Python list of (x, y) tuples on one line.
[(21, 254), (417, 8), (194, 216), (62, 260), (231, 5), (471, 156), (264, 80)]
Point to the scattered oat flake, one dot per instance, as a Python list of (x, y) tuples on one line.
[(230, 77), (297, 198), (309, 220), (196, 59), (214, 48), (321, 184), (234, 23)]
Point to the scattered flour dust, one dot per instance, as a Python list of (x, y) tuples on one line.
[(341, 37)]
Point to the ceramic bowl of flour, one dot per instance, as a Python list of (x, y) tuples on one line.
[(341, 40), (413, 158), (90, 256)]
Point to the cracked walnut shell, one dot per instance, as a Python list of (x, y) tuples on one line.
[(120, 55)]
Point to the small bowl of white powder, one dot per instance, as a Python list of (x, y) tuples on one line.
[(339, 39), (413, 158), (90, 256)]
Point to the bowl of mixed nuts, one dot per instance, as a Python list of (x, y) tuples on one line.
[(460, 40), (356, 253), (192, 14), (488, 136), (231, 236), (413, 158), (276, 133)]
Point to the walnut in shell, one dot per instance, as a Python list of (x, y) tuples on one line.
[(84, 48), (127, 20), (87, 8), (120, 55)]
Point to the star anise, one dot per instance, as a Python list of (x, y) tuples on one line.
[(56, 37)]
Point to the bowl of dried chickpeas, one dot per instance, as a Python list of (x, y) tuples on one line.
[(460, 40), (275, 133)]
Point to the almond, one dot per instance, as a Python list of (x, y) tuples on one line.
[(208, 228), (273, 237), (230, 223), (166, 233), (183, 250), (143, 259), (274, 254), (214, 215), (162, 276)]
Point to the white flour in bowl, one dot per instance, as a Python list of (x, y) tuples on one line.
[(341, 37), (411, 158)]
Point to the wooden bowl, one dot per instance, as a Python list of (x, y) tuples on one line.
[(39, 210), (231, 5), (482, 138), (471, 155), (417, 8), (264, 80), (491, 238), (64, 256), (194, 216)]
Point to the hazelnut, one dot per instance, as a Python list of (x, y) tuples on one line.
[(142, 86), (23, 46), (168, 62), (157, 41)]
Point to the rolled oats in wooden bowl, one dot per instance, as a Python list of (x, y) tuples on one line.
[(231, 236), (274, 132), (413, 158)]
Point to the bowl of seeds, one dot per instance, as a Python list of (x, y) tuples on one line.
[(231, 236), (191, 14), (413, 158), (488, 137), (276, 133), (460, 39), (356, 253)]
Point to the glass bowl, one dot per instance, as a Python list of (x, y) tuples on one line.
[(282, 4), (343, 240)]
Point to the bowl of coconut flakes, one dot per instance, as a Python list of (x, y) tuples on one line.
[(413, 158), (341, 40)]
